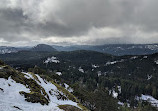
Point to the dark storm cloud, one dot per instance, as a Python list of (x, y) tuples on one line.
[(79, 21)]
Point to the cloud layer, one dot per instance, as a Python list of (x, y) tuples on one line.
[(28, 22)]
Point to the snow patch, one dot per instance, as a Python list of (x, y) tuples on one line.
[(95, 66), (99, 73), (150, 99), (114, 94), (119, 89), (152, 47), (156, 62), (81, 70), (67, 87), (28, 75), (120, 103), (114, 62), (59, 73), (134, 57), (51, 60), (149, 77), (145, 57), (110, 63), (120, 48)]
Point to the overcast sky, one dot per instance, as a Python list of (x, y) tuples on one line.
[(29, 22)]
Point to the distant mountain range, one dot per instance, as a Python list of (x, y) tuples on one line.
[(38, 48), (114, 49), (43, 47)]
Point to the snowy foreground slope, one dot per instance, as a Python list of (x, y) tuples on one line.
[(150, 99), (15, 96)]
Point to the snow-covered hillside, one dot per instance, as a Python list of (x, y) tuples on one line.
[(17, 93), (11, 100), (4, 50)]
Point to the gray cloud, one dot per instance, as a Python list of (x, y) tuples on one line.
[(79, 21)]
